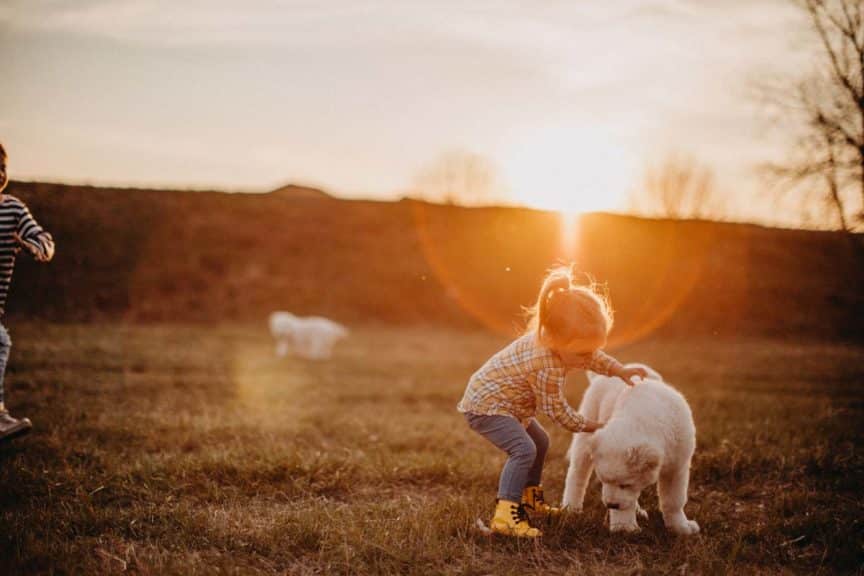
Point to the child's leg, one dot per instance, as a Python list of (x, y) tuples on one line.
[(5, 347), (9, 427), (532, 497), (509, 435), (541, 441)]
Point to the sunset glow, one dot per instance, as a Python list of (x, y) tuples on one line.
[(568, 235), (566, 100), (570, 168)]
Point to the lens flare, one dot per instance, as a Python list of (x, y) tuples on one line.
[(569, 234), (649, 267)]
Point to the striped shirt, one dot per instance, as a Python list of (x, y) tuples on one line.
[(525, 377), (18, 229)]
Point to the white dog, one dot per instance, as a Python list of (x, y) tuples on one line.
[(309, 337), (649, 437)]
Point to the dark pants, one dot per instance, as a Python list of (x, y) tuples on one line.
[(5, 347), (525, 447)]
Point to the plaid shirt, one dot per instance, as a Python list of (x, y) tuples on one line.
[(525, 377)]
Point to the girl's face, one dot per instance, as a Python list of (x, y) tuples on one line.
[(571, 356), (574, 355)]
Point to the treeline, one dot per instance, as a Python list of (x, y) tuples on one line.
[(158, 255)]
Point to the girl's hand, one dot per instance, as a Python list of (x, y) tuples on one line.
[(592, 426), (628, 375)]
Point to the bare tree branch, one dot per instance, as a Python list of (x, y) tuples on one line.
[(831, 180), (458, 177), (823, 114), (678, 187), (839, 73)]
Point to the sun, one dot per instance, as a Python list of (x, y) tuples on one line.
[(569, 169)]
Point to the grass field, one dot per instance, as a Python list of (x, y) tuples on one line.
[(193, 450)]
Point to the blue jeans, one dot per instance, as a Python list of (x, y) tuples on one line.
[(525, 448), (5, 347)]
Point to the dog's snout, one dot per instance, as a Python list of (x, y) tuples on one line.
[(613, 506)]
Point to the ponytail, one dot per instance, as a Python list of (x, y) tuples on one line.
[(557, 279)]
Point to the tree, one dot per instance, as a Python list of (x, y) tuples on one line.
[(458, 177), (678, 187), (824, 111)]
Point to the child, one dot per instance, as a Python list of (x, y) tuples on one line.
[(568, 326), (18, 230)]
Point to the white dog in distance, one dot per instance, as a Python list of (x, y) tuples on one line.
[(649, 437), (310, 337)]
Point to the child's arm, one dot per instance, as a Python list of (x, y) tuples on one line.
[(628, 374), (34, 238), (603, 363), (550, 400), (592, 426)]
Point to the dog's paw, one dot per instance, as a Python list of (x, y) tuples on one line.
[(625, 527), (623, 520), (685, 528)]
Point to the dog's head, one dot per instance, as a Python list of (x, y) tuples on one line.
[(625, 465)]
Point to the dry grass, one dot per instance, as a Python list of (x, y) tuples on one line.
[(189, 450)]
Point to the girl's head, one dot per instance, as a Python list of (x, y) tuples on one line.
[(570, 316)]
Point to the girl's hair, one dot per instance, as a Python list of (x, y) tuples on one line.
[(569, 314), (2, 151)]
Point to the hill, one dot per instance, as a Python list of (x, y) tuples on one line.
[(159, 255), (297, 191)]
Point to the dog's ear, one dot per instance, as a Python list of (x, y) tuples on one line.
[(643, 458)]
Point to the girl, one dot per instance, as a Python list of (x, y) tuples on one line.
[(567, 329)]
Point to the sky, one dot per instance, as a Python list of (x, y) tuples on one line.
[(568, 100)]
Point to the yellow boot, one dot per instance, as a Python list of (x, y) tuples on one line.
[(532, 500), (510, 519)]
